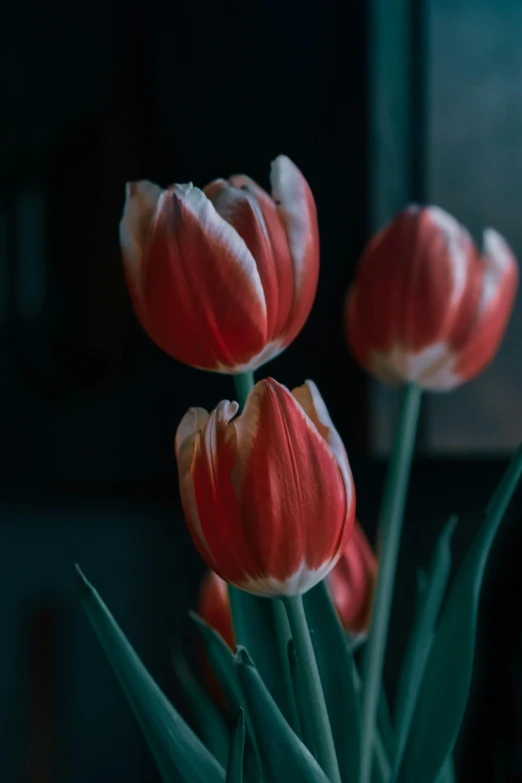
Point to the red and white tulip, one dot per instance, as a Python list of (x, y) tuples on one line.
[(268, 496), (425, 306), (222, 278), (351, 585)]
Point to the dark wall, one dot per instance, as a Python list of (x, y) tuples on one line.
[(96, 94)]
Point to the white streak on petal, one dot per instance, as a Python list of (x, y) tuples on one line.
[(498, 260), (214, 226), (457, 241), (299, 582), (288, 188), (334, 440)]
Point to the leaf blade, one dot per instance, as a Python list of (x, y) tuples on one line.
[(180, 756)]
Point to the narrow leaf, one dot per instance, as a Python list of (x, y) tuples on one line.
[(257, 628), (285, 758), (447, 773), (179, 755), (430, 596), (209, 721), (222, 662), (339, 678), (237, 749), (385, 724), (445, 687)]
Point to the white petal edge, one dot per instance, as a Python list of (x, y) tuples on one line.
[(214, 226), (302, 580), (498, 260), (334, 440), (289, 188), (458, 242)]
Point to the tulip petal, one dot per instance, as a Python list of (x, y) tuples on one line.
[(296, 208), (220, 522), (310, 399), (208, 301), (284, 464), (135, 226), (497, 297), (284, 266), (352, 581), (241, 209)]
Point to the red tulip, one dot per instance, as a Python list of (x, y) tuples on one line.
[(424, 306), (268, 497), (222, 278), (351, 583)]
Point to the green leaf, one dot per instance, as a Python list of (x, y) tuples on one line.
[(431, 590), (237, 749), (385, 724), (339, 678), (256, 627), (447, 774), (179, 755), (222, 662), (285, 758), (445, 687), (210, 723)]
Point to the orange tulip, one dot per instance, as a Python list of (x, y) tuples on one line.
[(222, 278), (268, 496), (424, 306), (350, 583)]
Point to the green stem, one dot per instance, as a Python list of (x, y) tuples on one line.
[(284, 635), (313, 697), (244, 383), (390, 525)]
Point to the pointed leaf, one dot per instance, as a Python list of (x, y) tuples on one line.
[(223, 665), (339, 678), (445, 687), (285, 758), (210, 723), (179, 755), (256, 627), (431, 594), (237, 749)]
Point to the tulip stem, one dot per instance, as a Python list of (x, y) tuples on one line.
[(316, 714), (390, 525), (244, 383)]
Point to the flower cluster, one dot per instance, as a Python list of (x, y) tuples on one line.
[(223, 279)]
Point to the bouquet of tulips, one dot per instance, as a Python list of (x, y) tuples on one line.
[(223, 279)]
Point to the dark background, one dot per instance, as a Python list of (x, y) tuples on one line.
[(94, 94)]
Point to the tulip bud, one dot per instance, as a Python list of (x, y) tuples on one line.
[(424, 306), (268, 496), (222, 278)]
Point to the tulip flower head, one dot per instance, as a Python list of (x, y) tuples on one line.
[(222, 278), (425, 307), (268, 496)]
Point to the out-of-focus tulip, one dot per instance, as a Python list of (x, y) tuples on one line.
[(268, 497), (214, 606), (351, 584), (425, 306), (222, 278)]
